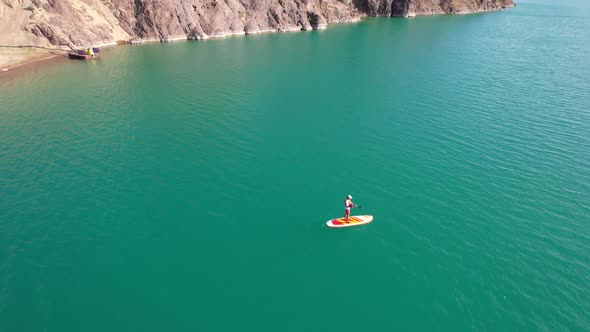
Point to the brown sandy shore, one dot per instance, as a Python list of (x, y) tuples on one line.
[(18, 59), (29, 65)]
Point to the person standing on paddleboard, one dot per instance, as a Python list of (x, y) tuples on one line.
[(348, 204)]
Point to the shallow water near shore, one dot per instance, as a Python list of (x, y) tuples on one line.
[(185, 186)]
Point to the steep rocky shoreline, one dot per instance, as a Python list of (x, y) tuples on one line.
[(411, 8), (100, 22)]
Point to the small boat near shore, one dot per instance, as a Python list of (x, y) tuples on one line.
[(84, 55)]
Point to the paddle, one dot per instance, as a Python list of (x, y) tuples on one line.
[(359, 206)]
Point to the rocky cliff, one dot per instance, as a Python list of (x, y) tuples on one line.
[(84, 22), (410, 8)]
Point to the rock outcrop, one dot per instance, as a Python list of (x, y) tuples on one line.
[(85, 22), (197, 19), (410, 8)]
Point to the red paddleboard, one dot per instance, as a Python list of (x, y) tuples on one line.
[(352, 221)]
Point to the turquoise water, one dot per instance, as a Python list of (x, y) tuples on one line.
[(185, 186)]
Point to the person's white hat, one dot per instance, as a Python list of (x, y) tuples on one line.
[(349, 197)]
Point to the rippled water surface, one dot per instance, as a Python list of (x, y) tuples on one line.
[(184, 186)]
